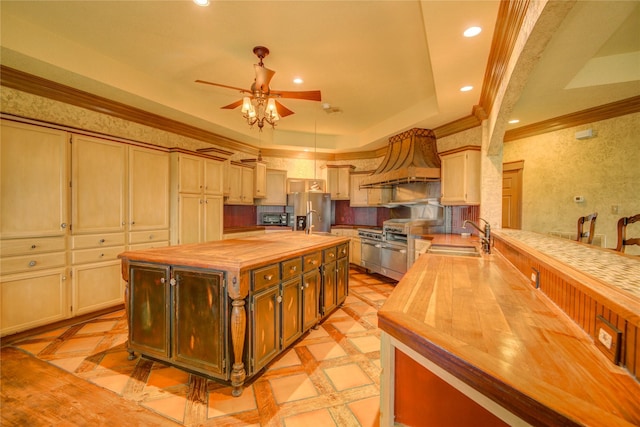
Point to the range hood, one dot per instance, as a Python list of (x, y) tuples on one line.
[(412, 156)]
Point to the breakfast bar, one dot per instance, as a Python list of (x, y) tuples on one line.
[(197, 306), (488, 340)]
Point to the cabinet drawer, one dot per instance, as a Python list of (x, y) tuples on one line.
[(97, 240), (343, 250), (312, 261), (96, 255), (148, 236), (291, 268), (33, 262), (32, 246), (265, 277), (329, 255)]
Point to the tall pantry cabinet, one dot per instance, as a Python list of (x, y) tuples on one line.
[(34, 218), (72, 204)]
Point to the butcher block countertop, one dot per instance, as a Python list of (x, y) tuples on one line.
[(482, 321), (236, 254)]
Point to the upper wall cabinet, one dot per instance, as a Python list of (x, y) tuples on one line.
[(338, 181), (359, 197), (34, 181), (240, 182), (460, 176), (259, 177), (276, 181), (302, 185)]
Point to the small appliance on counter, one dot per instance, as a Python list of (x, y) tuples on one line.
[(277, 218)]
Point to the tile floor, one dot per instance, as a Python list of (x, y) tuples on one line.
[(328, 378)]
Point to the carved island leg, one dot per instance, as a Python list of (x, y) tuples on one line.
[(238, 327), (125, 275)]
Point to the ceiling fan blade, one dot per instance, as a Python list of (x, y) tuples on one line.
[(263, 77), (224, 86), (309, 95), (282, 110), (233, 105)]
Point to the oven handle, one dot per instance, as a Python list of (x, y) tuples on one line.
[(365, 242), (394, 248)]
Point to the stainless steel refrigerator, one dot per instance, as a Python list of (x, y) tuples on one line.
[(319, 204)]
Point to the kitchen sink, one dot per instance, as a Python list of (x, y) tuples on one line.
[(468, 251)]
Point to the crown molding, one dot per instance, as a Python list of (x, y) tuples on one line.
[(591, 115), (39, 86)]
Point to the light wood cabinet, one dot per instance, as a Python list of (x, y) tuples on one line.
[(196, 202), (276, 188), (240, 179), (302, 185), (358, 197), (338, 181), (259, 177), (34, 217), (460, 176)]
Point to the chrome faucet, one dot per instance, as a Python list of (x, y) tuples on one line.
[(310, 213), (486, 239)]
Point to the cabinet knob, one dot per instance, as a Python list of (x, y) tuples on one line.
[(63, 225), (101, 241), (293, 269), (150, 236), (162, 280), (332, 255), (33, 246), (306, 285), (32, 263), (268, 277), (101, 255), (133, 222), (279, 299)]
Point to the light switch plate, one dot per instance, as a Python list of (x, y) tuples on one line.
[(608, 339)]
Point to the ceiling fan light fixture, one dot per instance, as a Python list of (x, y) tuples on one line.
[(246, 105)]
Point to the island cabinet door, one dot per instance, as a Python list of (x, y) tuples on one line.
[(328, 295), (148, 309), (291, 311), (310, 299), (199, 321), (342, 277), (265, 328)]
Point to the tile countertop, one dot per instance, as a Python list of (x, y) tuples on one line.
[(606, 265)]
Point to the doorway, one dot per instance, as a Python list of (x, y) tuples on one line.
[(512, 194)]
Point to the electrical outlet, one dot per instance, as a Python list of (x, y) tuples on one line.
[(605, 338), (533, 277)]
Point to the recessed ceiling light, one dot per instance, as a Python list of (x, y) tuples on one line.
[(514, 121), (472, 31), (201, 2), (298, 80), (466, 88)]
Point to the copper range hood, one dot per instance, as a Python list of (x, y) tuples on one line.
[(412, 156)]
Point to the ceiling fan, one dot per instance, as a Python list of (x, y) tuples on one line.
[(260, 105)]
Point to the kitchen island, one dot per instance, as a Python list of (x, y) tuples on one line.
[(474, 341), (197, 306)]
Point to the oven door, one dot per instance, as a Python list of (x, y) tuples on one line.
[(370, 255), (393, 260)]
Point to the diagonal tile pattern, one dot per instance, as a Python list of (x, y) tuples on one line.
[(330, 377)]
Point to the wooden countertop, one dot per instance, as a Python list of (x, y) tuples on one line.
[(237, 254), (482, 321)]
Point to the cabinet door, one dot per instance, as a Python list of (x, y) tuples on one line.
[(33, 299), (98, 185), (199, 320), (461, 178), (342, 278), (276, 188), (247, 185), (332, 183), (328, 297), (190, 218), (213, 177), (213, 211), (291, 311), (190, 174), (310, 299), (148, 189), (260, 180), (97, 286), (34, 181), (149, 303), (358, 197), (265, 327), (234, 173)]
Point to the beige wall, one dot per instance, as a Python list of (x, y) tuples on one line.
[(605, 170)]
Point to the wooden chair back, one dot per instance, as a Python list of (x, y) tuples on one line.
[(622, 232), (592, 227)]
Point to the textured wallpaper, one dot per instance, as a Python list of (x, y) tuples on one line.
[(605, 170)]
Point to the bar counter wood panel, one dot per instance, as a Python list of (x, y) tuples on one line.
[(480, 325), (573, 292), (249, 271)]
